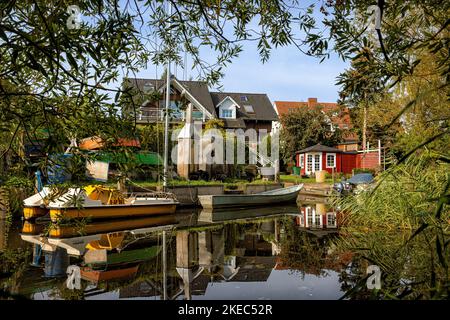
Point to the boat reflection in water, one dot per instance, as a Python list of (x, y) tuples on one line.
[(244, 254)]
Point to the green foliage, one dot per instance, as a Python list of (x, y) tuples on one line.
[(151, 137), (303, 128), (403, 226), (214, 124)]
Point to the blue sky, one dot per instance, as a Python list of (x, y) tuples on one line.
[(288, 75)]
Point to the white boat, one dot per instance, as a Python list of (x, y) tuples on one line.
[(98, 202), (35, 206), (282, 195)]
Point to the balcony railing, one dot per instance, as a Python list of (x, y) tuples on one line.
[(158, 115)]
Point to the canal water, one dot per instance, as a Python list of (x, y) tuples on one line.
[(283, 252)]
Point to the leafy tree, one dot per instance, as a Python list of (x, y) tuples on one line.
[(306, 127)]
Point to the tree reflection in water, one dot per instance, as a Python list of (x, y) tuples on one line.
[(244, 251)]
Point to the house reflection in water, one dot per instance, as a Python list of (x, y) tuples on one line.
[(203, 256), (317, 216), (220, 253)]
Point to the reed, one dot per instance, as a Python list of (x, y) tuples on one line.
[(402, 226)]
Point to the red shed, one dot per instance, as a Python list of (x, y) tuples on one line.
[(320, 157)]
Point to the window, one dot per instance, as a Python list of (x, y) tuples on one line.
[(331, 160), (227, 113), (309, 216), (302, 160), (309, 163), (317, 162), (331, 219), (244, 98), (249, 109), (148, 87), (198, 115)]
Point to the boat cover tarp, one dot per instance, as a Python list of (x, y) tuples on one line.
[(144, 158), (361, 178)]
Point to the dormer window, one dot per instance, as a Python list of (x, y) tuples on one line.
[(249, 109), (227, 108), (148, 87), (244, 99), (226, 113)]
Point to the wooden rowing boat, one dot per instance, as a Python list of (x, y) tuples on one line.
[(283, 195)]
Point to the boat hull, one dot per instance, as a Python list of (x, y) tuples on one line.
[(33, 212), (97, 275), (108, 212), (111, 225), (257, 199)]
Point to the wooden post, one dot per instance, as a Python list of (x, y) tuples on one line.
[(121, 186), (379, 153)]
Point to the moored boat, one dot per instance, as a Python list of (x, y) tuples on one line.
[(283, 195), (98, 202), (34, 206), (90, 274), (61, 231)]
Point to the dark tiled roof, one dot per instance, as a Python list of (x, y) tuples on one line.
[(320, 148), (234, 123), (259, 101), (198, 89), (263, 108)]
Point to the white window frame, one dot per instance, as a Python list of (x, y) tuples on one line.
[(302, 160), (313, 162), (251, 106), (334, 158), (222, 113), (331, 216)]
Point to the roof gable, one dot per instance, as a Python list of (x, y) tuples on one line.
[(197, 89), (225, 99), (320, 148), (262, 107)]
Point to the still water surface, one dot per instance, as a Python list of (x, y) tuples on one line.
[(266, 253)]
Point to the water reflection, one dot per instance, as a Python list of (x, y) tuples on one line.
[(266, 253)]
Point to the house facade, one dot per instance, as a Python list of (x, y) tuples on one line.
[(319, 158), (237, 110)]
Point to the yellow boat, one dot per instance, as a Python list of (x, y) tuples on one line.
[(99, 202), (32, 228), (34, 206), (111, 226)]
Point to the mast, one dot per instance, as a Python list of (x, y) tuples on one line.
[(164, 261), (166, 126)]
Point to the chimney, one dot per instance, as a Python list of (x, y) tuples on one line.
[(312, 102)]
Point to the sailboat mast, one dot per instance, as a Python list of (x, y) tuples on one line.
[(166, 126)]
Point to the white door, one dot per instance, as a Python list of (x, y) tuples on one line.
[(313, 162)]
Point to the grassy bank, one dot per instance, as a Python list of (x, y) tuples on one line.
[(228, 182)]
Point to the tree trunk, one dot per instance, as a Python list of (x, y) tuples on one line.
[(364, 133)]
